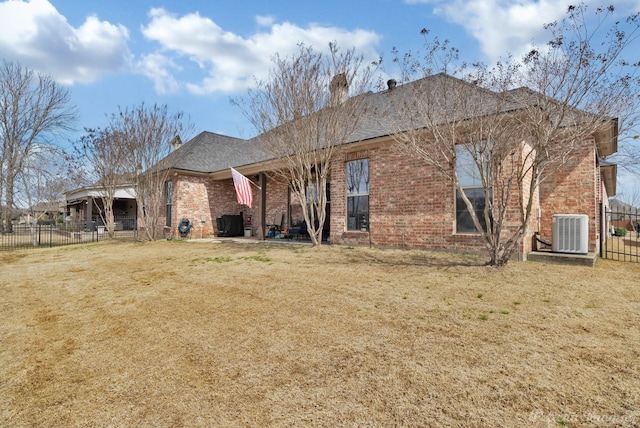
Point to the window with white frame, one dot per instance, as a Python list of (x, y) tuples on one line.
[(471, 183), (357, 181)]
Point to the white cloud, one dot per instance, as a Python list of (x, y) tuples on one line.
[(229, 60), (501, 26), (36, 35), (157, 67), (265, 21), (504, 27)]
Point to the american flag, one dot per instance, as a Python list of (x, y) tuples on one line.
[(243, 188)]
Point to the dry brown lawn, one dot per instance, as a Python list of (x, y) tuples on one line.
[(200, 334)]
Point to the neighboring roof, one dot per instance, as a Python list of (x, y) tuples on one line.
[(617, 204), (123, 191), (43, 207), (208, 152)]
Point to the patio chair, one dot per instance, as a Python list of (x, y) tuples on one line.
[(276, 227)]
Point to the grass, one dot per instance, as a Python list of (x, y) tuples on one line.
[(202, 334), (259, 258), (200, 260)]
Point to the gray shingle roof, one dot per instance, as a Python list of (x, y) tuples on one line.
[(386, 110), (382, 116), (208, 152)]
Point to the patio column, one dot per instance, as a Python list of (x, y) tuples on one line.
[(263, 205), (89, 209)]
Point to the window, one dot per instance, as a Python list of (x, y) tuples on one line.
[(358, 195), (169, 192), (471, 183), (295, 209)]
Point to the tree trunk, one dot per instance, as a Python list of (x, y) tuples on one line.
[(8, 225)]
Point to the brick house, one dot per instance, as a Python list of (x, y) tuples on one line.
[(84, 207), (402, 204)]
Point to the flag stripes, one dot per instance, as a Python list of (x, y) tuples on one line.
[(243, 188)]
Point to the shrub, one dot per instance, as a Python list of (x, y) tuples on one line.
[(620, 231)]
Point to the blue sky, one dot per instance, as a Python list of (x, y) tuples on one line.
[(194, 55)]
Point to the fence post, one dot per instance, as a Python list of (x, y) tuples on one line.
[(602, 226)]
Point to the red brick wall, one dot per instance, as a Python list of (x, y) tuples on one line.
[(277, 201), (523, 160), (197, 198), (410, 205), (201, 198), (572, 189)]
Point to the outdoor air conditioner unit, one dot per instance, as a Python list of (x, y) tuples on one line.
[(570, 233)]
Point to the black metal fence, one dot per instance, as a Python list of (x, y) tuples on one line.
[(50, 235), (45, 235), (53, 235), (622, 239), (121, 223)]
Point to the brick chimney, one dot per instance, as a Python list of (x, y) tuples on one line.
[(339, 89), (176, 143)]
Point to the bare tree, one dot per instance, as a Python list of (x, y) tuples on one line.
[(631, 197), (34, 109), (497, 133), (41, 184), (106, 164), (304, 111), (146, 133)]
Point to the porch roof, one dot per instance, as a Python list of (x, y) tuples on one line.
[(83, 193)]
